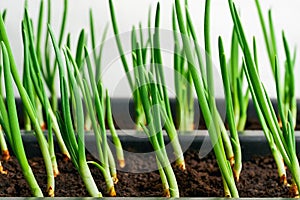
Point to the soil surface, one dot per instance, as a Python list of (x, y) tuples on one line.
[(201, 179)]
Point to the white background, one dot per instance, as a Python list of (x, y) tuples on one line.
[(286, 16)]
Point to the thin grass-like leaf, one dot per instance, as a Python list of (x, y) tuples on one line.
[(118, 41), (39, 31), (63, 22), (230, 113), (99, 58), (80, 49), (266, 35)]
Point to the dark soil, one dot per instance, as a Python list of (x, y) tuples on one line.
[(201, 179)]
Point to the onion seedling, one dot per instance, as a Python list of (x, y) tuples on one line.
[(75, 146), (274, 149), (35, 80), (139, 113), (33, 74), (154, 116), (231, 144), (100, 105), (26, 78), (183, 83), (48, 66), (30, 110), (186, 119), (38, 50), (115, 138), (10, 123), (206, 104), (3, 145), (288, 90), (230, 113), (99, 130), (240, 99), (204, 76), (98, 111), (97, 56), (210, 89), (95, 110), (283, 138), (156, 68), (79, 58), (157, 62)]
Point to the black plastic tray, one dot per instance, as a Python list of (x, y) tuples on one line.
[(252, 142)]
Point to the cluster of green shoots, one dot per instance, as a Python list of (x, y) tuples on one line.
[(67, 124), (280, 135), (81, 87)]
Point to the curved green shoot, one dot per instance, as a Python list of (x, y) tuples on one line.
[(39, 31), (268, 41), (47, 55), (236, 77), (274, 150), (4, 14), (290, 102), (80, 49), (101, 117), (26, 76), (15, 134), (76, 147), (140, 117), (115, 138), (230, 113), (234, 66), (63, 22), (119, 44)]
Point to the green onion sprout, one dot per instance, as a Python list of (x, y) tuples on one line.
[(10, 123), (206, 104), (30, 110), (283, 138)]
